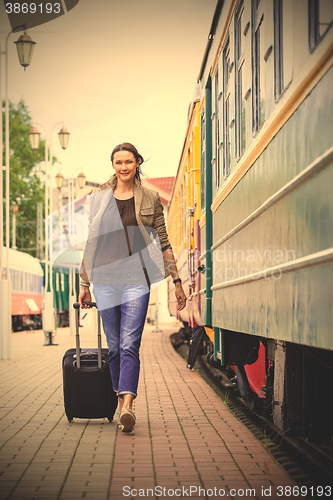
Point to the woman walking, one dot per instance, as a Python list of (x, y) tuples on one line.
[(127, 250)]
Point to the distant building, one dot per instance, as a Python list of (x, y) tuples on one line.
[(161, 184), (62, 196)]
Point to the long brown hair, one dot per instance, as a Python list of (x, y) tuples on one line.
[(126, 146)]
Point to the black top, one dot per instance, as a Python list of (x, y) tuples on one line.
[(117, 251)]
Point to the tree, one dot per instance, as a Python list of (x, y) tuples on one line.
[(26, 188)]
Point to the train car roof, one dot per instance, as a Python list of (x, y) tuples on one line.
[(22, 261), (210, 37)]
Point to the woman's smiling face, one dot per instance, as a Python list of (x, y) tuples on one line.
[(125, 165)]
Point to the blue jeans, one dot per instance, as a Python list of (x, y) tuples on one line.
[(123, 309)]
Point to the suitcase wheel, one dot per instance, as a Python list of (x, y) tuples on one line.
[(70, 419)]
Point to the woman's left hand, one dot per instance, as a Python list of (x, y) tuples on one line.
[(180, 296)]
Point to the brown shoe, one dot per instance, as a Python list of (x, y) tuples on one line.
[(127, 419)]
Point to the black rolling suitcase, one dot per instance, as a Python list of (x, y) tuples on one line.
[(88, 391)]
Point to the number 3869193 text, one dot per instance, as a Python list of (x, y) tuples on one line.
[(33, 8)]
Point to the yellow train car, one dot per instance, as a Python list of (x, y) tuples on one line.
[(183, 220)]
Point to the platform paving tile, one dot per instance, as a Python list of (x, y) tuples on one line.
[(185, 436)]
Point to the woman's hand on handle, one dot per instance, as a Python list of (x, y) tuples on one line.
[(84, 296), (179, 292), (180, 296)]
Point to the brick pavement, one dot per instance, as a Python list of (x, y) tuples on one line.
[(185, 436), (42, 456)]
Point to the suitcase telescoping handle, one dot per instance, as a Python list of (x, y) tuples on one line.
[(76, 306)]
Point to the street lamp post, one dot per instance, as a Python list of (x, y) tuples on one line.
[(81, 180), (14, 210), (25, 48), (48, 314), (69, 232), (59, 181)]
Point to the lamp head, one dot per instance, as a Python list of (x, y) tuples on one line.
[(81, 180), (59, 180), (25, 48), (34, 138), (63, 137)]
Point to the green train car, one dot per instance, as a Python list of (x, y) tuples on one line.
[(267, 81), (265, 237), (60, 281)]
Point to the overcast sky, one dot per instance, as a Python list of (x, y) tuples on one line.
[(114, 71)]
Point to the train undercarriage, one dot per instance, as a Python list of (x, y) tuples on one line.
[(291, 384)]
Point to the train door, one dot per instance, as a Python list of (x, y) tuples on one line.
[(206, 261)]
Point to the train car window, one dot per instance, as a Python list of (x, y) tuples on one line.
[(190, 194), (181, 212), (278, 43), (180, 208), (226, 108), (240, 105), (176, 223), (258, 73), (21, 281), (283, 40), (203, 161), (217, 141), (184, 213), (320, 20)]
